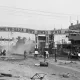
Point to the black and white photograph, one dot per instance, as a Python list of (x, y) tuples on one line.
[(39, 40)]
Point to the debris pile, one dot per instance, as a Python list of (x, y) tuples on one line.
[(5, 75), (66, 63), (65, 75)]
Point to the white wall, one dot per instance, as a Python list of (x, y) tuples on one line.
[(59, 37)]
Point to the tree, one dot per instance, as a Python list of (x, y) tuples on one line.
[(29, 38), (24, 39), (18, 38)]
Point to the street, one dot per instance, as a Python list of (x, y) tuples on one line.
[(21, 69)]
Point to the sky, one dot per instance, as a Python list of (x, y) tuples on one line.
[(39, 14)]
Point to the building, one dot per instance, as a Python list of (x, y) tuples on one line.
[(50, 39), (74, 36), (44, 39)]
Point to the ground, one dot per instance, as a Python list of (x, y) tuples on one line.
[(21, 69)]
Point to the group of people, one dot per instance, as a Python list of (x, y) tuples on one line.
[(3, 52), (45, 54)]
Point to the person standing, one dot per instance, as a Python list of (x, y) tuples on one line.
[(47, 54), (68, 55), (36, 54), (0, 51), (44, 56), (25, 54), (4, 52)]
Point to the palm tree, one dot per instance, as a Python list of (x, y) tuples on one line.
[(29, 38), (24, 39), (18, 38)]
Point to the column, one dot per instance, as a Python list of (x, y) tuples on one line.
[(36, 40), (47, 41)]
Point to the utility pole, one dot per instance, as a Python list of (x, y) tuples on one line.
[(8, 41), (54, 46), (70, 20), (55, 53)]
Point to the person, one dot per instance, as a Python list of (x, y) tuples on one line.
[(68, 55), (44, 56), (25, 54), (0, 51), (47, 54), (4, 52), (36, 53), (78, 56)]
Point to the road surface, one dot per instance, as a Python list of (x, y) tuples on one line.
[(26, 69)]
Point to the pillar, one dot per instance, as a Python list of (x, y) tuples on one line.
[(47, 41), (36, 41)]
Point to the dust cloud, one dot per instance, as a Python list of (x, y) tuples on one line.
[(19, 47), (22, 45)]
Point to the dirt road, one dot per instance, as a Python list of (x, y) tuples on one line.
[(24, 69), (58, 72)]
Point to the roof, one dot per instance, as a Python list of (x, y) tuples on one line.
[(75, 27)]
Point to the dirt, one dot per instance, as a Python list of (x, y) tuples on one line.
[(25, 69)]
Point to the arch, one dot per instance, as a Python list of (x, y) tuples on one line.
[(32, 31)]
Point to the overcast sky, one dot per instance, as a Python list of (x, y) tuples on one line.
[(39, 14)]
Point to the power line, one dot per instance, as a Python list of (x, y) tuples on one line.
[(57, 16), (50, 13), (42, 11), (53, 17)]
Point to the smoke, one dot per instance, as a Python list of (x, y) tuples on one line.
[(22, 46)]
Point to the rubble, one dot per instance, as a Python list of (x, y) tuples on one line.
[(53, 74), (66, 63), (5, 75), (45, 64), (65, 75), (37, 64)]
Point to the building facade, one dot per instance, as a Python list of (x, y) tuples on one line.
[(43, 38), (74, 36)]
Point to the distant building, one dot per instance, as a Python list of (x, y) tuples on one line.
[(74, 35), (44, 39), (51, 39)]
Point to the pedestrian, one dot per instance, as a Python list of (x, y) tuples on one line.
[(44, 56), (68, 55), (0, 51), (36, 54), (4, 52), (25, 54), (47, 54)]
